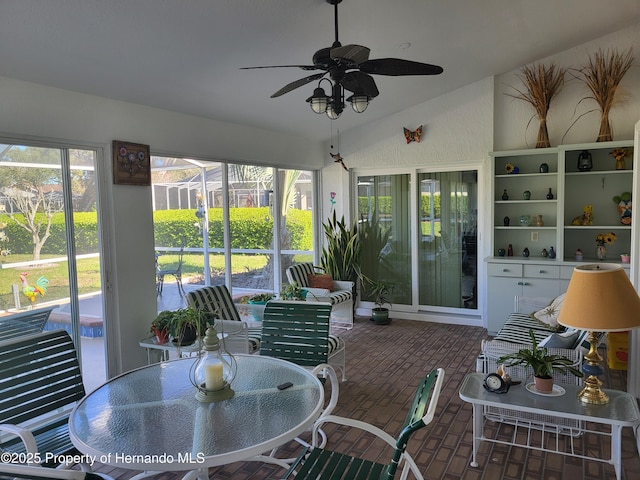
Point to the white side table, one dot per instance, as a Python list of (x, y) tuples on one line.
[(621, 411)]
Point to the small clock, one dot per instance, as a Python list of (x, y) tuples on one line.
[(495, 384)]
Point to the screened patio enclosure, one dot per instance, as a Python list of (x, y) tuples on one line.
[(239, 225)]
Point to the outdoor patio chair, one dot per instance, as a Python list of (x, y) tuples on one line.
[(34, 472), (340, 295), (299, 332), (217, 299), (176, 272), (318, 463), (24, 323)]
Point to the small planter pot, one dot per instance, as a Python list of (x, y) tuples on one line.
[(544, 385), (161, 335), (187, 337), (380, 316), (256, 308)]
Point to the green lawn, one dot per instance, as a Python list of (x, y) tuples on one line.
[(89, 273)]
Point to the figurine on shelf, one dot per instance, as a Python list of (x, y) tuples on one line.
[(624, 207), (586, 218), (579, 255)]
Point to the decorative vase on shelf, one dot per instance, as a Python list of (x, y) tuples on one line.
[(539, 222), (552, 253), (620, 164), (510, 251), (525, 252), (525, 220), (526, 195), (550, 194), (506, 220), (544, 168), (601, 252), (505, 195)]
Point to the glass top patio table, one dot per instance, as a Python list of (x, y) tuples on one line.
[(148, 419)]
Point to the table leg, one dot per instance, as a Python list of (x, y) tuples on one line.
[(478, 420), (200, 474), (616, 449)]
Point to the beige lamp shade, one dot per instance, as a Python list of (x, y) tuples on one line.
[(600, 298)]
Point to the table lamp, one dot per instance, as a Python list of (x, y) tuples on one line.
[(600, 298)]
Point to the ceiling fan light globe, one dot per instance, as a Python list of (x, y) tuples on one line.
[(331, 113), (319, 105), (359, 103), (318, 101)]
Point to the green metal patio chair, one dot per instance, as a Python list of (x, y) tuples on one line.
[(322, 464)]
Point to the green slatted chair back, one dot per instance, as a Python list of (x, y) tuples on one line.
[(40, 376), (216, 299), (24, 323), (323, 464), (33, 472), (296, 331)]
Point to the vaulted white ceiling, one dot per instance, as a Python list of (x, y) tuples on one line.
[(185, 55)]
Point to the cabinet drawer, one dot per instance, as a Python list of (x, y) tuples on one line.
[(505, 270), (542, 271)]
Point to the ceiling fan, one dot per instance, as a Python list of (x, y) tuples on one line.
[(349, 68)]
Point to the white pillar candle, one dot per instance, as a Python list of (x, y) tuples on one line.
[(213, 376)]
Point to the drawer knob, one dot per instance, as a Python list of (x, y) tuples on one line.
[(505, 269), (542, 271), (521, 283)]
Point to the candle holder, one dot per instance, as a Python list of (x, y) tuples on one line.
[(214, 371)]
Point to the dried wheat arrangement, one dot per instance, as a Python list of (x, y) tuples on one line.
[(541, 83), (602, 75)]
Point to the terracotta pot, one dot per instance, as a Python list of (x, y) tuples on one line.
[(544, 385), (161, 335)]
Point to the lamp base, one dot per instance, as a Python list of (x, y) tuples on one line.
[(209, 396), (592, 393)]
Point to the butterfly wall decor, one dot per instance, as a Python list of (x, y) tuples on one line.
[(413, 136)]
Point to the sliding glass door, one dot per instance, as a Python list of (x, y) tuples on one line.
[(447, 244), (49, 244), (440, 258)]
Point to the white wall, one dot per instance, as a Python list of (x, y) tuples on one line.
[(35, 111), (512, 115)]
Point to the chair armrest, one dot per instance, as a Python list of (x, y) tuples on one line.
[(367, 427), (25, 435), (342, 285), (317, 295)]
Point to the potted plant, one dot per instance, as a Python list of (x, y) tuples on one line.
[(186, 324), (542, 363), (257, 302), (161, 326), (381, 292), (341, 257), (293, 291)]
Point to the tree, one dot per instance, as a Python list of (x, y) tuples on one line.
[(32, 189)]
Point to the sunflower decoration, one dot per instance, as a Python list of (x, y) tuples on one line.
[(511, 168), (605, 238), (620, 154)]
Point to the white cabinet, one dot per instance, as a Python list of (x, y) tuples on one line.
[(534, 208), (508, 279)]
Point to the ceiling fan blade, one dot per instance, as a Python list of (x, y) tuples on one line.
[(397, 67), (298, 83), (303, 67), (354, 81), (350, 54)]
